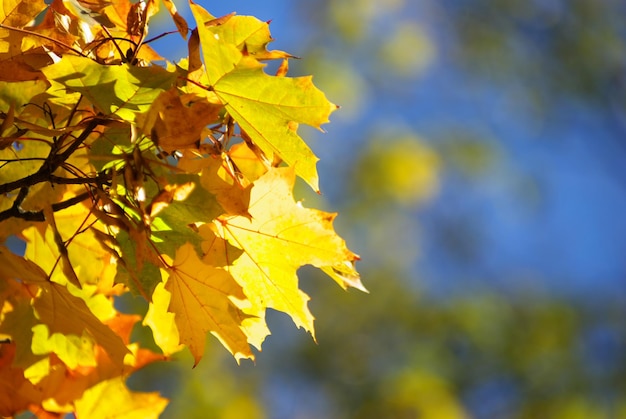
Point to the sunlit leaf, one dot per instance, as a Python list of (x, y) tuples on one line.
[(269, 110), (111, 399), (201, 300), (250, 35), (162, 322), (66, 314), (222, 56), (278, 238), (122, 90)]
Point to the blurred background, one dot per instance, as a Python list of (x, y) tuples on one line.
[(478, 165)]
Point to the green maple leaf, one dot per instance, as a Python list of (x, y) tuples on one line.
[(122, 90)]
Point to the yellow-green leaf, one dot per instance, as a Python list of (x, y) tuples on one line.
[(269, 110), (73, 350), (220, 57), (19, 93), (280, 237), (250, 35), (123, 90)]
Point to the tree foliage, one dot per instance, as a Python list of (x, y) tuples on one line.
[(125, 173)]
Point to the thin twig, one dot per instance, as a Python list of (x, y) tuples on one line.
[(11, 28), (154, 38)]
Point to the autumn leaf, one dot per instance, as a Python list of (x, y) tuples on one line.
[(111, 399), (24, 160), (179, 21), (222, 56), (247, 161), (55, 28), (134, 267), (17, 93), (18, 13), (278, 238), (18, 318), (176, 122), (62, 385), (16, 392), (162, 322), (345, 274), (228, 190), (69, 315), (16, 267), (175, 225), (201, 300), (85, 254)]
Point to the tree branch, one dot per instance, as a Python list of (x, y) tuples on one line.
[(16, 212), (52, 162)]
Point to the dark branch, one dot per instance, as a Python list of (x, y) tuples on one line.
[(99, 179), (16, 212), (52, 162)]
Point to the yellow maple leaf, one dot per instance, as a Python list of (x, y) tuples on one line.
[(279, 237), (64, 313), (202, 302), (111, 399), (162, 322), (90, 261)]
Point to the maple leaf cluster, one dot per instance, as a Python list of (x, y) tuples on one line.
[(171, 181)]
